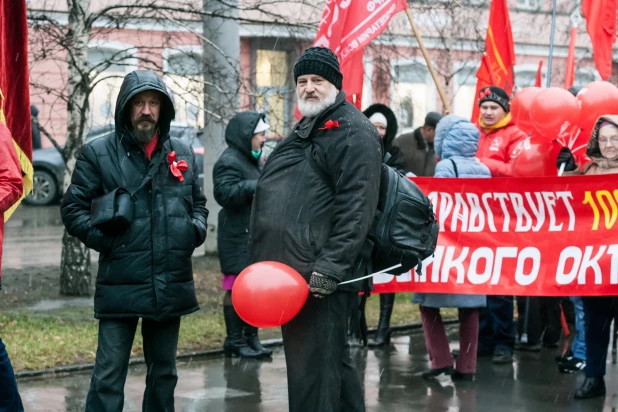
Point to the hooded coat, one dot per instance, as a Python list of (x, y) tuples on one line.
[(599, 165), (395, 160), (235, 177), (456, 141), (146, 270), (311, 224)]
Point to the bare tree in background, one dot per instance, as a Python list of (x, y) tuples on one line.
[(65, 43)]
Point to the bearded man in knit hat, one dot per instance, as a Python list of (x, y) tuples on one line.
[(313, 207)]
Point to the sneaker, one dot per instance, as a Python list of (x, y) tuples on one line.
[(502, 356), (564, 357), (573, 365), (434, 373)]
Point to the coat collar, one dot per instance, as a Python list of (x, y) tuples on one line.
[(305, 127)]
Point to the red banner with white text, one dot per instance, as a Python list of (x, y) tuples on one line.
[(553, 236)]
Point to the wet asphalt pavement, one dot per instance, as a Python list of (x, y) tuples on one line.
[(391, 378)]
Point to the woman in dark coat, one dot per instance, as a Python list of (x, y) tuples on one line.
[(235, 177), (385, 121)]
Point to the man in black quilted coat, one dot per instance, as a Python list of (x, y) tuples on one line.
[(144, 271), (313, 207)]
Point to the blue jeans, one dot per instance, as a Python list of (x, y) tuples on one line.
[(496, 324), (10, 401), (579, 342)]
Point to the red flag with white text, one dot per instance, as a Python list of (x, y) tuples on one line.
[(347, 27)]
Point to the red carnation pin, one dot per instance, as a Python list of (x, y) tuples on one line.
[(177, 167), (330, 124)]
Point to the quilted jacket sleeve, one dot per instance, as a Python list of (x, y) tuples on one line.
[(199, 217)]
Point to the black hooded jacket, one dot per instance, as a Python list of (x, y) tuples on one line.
[(145, 271), (235, 177), (396, 160), (311, 224)]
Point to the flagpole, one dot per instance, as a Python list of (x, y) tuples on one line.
[(551, 45), (428, 60)]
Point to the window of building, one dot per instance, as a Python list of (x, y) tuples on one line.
[(271, 78), (110, 65), (583, 77), (367, 83), (412, 93), (527, 77), (464, 90), (184, 80), (528, 4)]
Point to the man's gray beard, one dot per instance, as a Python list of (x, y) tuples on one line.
[(310, 109), (144, 136)]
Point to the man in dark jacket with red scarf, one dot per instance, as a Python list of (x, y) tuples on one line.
[(145, 270), (313, 208)]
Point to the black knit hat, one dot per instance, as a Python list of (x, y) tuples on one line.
[(495, 94), (320, 61)]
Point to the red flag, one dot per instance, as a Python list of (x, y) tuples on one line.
[(569, 74), (346, 28), (14, 86), (539, 75), (499, 58), (601, 26)]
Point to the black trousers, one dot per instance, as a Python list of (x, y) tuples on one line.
[(543, 319), (321, 373), (600, 312), (106, 392)]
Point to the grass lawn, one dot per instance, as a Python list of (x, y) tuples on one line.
[(39, 340)]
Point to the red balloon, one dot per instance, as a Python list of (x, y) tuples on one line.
[(553, 111), (269, 294), (595, 100), (520, 108), (537, 157)]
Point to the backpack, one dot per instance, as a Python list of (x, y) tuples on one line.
[(405, 229)]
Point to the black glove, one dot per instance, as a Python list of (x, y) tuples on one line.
[(565, 156), (321, 285)]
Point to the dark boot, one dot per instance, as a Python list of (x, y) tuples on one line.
[(591, 388), (235, 343), (383, 335), (251, 336)]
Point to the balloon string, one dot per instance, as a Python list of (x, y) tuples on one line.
[(373, 274)]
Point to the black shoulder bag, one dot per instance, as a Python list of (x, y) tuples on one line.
[(113, 212)]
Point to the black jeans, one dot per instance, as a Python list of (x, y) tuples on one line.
[(543, 319), (112, 363), (496, 324), (10, 400), (600, 311), (321, 373)]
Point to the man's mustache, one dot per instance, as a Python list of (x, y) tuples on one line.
[(310, 95), (146, 119)]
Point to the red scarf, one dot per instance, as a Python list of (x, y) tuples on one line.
[(149, 147)]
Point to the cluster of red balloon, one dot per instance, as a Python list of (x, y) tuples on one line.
[(269, 294), (554, 118)]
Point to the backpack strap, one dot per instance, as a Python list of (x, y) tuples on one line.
[(316, 167), (454, 167)]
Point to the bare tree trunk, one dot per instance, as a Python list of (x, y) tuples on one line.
[(220, 101), (75, 277)]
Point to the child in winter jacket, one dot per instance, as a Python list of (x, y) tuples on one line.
[(456, 143)]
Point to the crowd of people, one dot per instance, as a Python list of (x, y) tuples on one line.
[(135, 198)]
